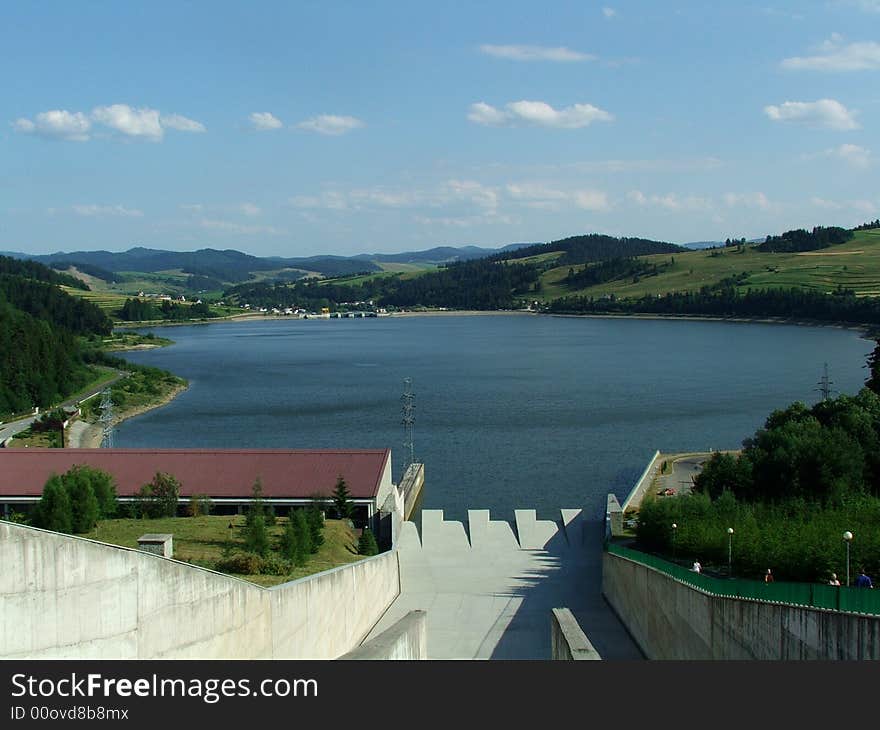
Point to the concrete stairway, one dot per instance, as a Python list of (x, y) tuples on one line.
[(488, 586), (483, 533)]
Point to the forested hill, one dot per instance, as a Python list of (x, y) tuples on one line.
[(593, 247), (40, 353), (38, 272)]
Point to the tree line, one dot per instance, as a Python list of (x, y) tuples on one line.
[(805, 477), (802, 240), (143, 310)]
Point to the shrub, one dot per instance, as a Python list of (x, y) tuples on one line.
[(240, 562)]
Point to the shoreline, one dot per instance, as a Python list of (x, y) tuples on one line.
[(89, 435), (864, 329)]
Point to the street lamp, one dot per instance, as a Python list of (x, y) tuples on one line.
[(674, 530), (730, 552), (847, 538)]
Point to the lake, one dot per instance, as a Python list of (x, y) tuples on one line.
[(511, 411)]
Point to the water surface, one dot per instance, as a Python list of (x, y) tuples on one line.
[(511, 411)]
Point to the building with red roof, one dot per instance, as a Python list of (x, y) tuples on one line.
[(290, 478)]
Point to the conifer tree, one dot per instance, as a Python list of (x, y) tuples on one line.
[(315, 518), (84, 509), (53, 509), (256, 536), (303, 537), (367, 543), (290, 541), (342, 499)]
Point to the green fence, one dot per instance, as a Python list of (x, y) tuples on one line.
[(852, 600)]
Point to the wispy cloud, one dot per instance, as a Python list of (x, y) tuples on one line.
[(835, 55), (559, 54), (106, 211), (180, 123), (670, 201), (609, 12), (825, 114), (538, 113), (747, 200), (237, 228), (331, 124), (265, 121), (544, 196), (122, 119)]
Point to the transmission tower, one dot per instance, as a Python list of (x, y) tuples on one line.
[(106, 419), (409, 419), (825, 384)]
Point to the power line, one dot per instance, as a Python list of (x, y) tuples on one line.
[(106, 419), (409, 419), (825, 384)]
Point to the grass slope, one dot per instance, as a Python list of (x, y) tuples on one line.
[(201, 540), (853, 265)]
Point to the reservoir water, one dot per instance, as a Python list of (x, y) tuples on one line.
[(512, 411)]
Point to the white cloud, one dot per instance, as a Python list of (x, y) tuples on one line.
[(747, 200), (181, 123), (834, 55), (825, 113), (56, 124), (265, 121), (103, 211), (538, 113), (536, 53), (331, 124), (249, 209), (869, 6), (483, 113), (862, 206), (851, 154), (143, 123), (548, 197), (238, 229), (670, 201), (131, 122), (609, 12)]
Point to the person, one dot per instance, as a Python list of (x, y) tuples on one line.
[(768, 576), (863, 581), (834, 580), (697, 567)]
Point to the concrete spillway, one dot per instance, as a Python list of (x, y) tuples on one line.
[(488, 586)]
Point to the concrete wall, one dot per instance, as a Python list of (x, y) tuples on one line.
[(634, 499), (670, 620), (568, 642), (68, 597), (406, 639)]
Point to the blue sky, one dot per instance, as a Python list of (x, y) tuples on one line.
[(301, 128)]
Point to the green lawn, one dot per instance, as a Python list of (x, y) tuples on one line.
[(201, 541)]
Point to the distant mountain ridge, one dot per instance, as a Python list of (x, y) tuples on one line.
[(235, 266)]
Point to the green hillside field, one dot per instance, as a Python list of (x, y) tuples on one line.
[(852, 265)]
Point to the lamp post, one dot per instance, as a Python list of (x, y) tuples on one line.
[(674, 530), (730, 552), (847, 538)]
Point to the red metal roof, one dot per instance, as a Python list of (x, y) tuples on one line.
[(216, 472)]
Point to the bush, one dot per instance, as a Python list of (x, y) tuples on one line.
[(240, 562), (159, 497), (53, 510), (200, 505), (274, 565)]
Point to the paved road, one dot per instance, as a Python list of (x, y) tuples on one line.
[(14, 427), (684, 469)]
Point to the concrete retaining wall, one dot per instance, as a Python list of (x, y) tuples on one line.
[(670, 620), (567, 639), (69, 597), (634, 498), (406, 639)]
